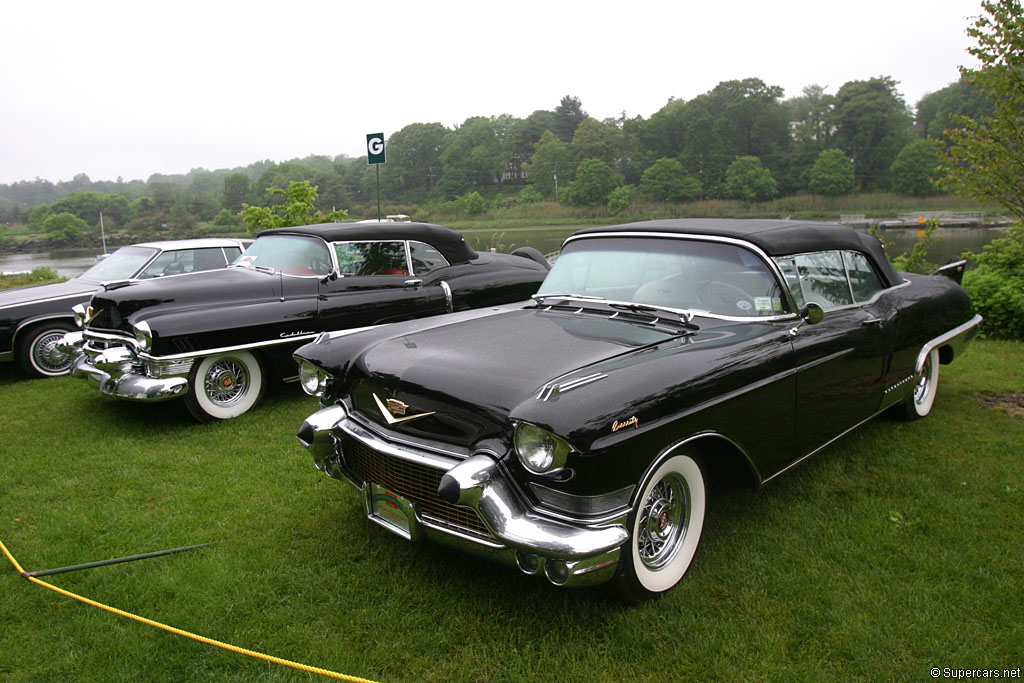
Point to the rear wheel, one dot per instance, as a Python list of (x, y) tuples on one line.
[(665, 529), (926, 384), (37, 349), (225, 385)]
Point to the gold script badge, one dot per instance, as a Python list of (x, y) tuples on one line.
[(631, 422)]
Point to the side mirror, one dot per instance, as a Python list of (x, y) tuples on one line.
[(812, 314)]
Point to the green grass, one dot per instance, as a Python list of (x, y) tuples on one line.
[(898, 549), (38, 276)]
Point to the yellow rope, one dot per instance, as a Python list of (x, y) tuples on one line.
[(178, 631)]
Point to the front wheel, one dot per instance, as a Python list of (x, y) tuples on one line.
[(38, 354), (665, 528), (224, 386)]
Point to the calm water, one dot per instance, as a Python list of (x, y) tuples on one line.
[(952, 242)]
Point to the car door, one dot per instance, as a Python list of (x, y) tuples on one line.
[(840, 361), (376, 284)]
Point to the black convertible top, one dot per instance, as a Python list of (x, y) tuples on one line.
[(447, 241), (774, 237)]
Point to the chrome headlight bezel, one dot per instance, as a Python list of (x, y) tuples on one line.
[(312, 378), (538, 450), (78, 311), (143, 335)]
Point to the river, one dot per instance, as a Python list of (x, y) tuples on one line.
[(952, 242)]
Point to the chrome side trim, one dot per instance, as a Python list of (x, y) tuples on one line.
[(554, 388), (47, 300), (942, 339), (448, 296)]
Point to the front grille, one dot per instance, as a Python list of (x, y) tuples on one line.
[(414, 481)]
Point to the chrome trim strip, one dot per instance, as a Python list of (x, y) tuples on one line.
[(83, 295), (225, 349), (555, 388), (448, 296), (942, 339), (360, 433)]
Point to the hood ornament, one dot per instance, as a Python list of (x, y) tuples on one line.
[(394, 411)]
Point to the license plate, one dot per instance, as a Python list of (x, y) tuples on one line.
[(390, 510)]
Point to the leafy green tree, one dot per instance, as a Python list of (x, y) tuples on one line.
[(236, 190), (748, 180), (985, 155), (832, 174), (550, 157), (935, 110), (475, 153), (594, 182), (872, 125), (569, 115), (472, 203), (996, 286), (666, 180), (529, 195), (914, 169), (298, 208), (596, 140), (620, 198), (414, 160), (64, 227)]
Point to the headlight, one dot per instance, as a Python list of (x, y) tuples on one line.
[(143, 335), (539, 450), (78, 310), (312, 379)]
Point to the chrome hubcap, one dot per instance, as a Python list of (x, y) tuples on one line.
[(921, 388), (47, 357), (226, 382), (663, 521)]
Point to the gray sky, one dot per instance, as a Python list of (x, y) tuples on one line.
[(133, 88)]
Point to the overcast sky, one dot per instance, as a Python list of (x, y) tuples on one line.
[(128, 89)]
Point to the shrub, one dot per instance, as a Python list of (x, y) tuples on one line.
[(619, 198), (997, 285)]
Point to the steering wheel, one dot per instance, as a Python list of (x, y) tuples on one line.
[(723, 294)]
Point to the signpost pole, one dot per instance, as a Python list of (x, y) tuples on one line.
[(375, 155)]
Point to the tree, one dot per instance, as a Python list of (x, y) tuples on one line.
[(914, 169), (872, 125), (569, 115), (985, 155), (748, 180), (475, 153), (619, 198), (64, 227), (595, 140), (935, 111), (236, 190), (414, 160), (297, 209), (594, 182), (667, 181), (832, 174), (550, 158)]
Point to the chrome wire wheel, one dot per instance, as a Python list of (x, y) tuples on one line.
[(226, 385), (226, 382), (38, 354), (663, 521)]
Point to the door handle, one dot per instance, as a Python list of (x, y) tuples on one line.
[(413, 283), (872, 321)]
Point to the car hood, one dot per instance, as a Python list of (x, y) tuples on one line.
[(70, 288), (474, 376), (116, 307)]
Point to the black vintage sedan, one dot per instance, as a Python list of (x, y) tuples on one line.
[(33, 319), (573, 434), (216, 338)]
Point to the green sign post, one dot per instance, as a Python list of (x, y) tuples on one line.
[(376, 156)]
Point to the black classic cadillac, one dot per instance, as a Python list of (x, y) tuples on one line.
[(215, 338), (34, 319), (572, 434)]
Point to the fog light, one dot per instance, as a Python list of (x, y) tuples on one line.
[(528, 563), (556, 571)]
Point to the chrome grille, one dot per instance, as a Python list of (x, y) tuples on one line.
[(413, 481)]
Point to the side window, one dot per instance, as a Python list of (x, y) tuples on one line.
[(425, 259), (863, 279), (371, 258), (184, 261), (232, 253), (822, 278), (788, 268)]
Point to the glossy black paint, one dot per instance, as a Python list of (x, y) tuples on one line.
[(753, 390), (25, 307), (276, 312)]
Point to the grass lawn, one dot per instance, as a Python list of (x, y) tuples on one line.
[(898, 549)]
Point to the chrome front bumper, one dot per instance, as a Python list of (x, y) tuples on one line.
[(118, 372), (567, 553)]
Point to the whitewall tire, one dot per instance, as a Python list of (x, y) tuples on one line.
[(225, 385)]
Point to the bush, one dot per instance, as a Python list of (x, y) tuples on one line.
[(746, 179), (594, 182), (997, 285), (619, 198), (667, 181), (472, 203), (832, 174)]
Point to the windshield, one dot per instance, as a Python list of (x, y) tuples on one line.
[(691, 275), (288, 254), (123, 264)]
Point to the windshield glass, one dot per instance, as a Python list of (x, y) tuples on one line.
[(288, 254), (123, 264), (691, 275)]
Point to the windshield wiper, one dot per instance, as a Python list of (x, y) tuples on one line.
[(583, 297), (685, 317)]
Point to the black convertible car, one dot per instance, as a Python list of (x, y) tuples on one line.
[(215, 338), (34, 319), (572, 434)]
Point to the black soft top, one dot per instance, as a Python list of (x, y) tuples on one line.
[(774, 237), (445, 240)]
